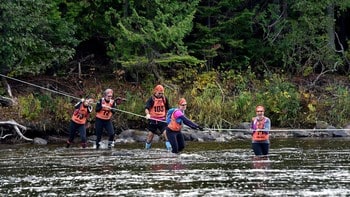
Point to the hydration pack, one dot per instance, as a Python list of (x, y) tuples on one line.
[(169, 114)]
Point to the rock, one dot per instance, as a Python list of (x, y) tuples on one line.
[(244, 125), (322, 134), (347, 129), (221, 139), (339, 133), (301, 134), (39, 141), (321, 125)]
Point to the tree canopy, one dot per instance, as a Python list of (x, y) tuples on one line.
[(34, 37), (226, 55), (299, 37)]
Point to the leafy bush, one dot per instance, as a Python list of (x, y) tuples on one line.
[(30, 107)]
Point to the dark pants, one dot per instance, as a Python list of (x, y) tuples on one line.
[(156, 127), (99, 126), (73, 128), (260, 148), (176, 140)]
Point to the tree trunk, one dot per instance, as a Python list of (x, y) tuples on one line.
[(7, 101), (331, 31)]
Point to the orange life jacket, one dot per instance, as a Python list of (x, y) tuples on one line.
[(105, 113), (259, 135), (158, 110), (79, 116), (174, 125)]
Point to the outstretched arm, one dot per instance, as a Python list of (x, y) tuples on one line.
[(189, 123)]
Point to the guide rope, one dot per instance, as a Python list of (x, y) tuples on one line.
[(142, 116)]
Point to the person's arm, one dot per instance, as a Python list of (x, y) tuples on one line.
[(267, 125), (149, 105), (188, 122), (98, 105), (114, 107), (179, 115), (167, 105), (77, 105), (89, 108)]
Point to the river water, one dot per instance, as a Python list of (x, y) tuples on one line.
[(295, 167)]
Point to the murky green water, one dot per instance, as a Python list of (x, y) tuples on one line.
[(296, 167)]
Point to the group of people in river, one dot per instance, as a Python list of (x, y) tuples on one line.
[(162, 120)]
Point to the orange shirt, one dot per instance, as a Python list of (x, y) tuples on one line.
[(259, 125), (105, 113)]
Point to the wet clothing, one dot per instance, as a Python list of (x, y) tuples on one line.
[(176, 140), (73, 128), (261, 148), (173, 130), (260, 135), (77, 123), (103, 120), (99, 125), (157, 108)]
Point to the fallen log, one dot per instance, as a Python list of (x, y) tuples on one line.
[(5, 101), (17, 130)]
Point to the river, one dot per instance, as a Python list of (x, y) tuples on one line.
[(295, 167)]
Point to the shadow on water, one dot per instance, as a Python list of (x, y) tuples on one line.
[(295, 167)]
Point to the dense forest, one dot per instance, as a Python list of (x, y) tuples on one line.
[(224, 56)]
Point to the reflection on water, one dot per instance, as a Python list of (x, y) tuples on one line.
[(294, 168)]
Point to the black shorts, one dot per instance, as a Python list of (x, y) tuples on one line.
[(156, 127)]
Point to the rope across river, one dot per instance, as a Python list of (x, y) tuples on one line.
[(142, 116), (66, 94)]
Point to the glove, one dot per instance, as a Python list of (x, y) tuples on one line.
[(120, 100), (200, 128), (148, 116)]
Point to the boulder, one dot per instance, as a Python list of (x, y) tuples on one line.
[(39, 141), (301, 134)]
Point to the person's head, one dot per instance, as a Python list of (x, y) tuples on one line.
[(260, 110), (88, 101), (158, 91), (108, 94), (182, 104)]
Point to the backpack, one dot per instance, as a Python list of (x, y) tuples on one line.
[(169, 114)]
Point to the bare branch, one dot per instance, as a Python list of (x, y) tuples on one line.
[(17, 127)]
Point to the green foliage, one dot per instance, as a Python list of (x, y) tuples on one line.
[(303, 40), (335, 106), (243, 106), (62, 110), (30, 107), (208, 108), (146, 36), (184, 76), (221, 109), (237, 82), (281, 100), (134, 104), (225, 35), (218, 54), (33, 39)]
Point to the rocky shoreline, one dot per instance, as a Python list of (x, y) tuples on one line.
[(208, 135), (322, 130)]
